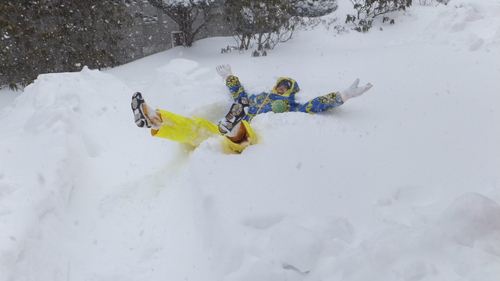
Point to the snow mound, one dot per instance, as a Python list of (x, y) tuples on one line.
[(465, 23), (469, 219), (60, 129), (399, 184)]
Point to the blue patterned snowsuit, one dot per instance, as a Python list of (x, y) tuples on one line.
[(262, 103)]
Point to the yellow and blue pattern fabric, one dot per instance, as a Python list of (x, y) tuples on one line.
[(263, 102), (196, 130)]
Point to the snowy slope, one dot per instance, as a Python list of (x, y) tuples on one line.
[(399, 184)]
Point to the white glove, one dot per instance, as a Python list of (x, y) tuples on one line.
[(354, 90), (224, 70)]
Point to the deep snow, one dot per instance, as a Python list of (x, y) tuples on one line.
[(399, 184)]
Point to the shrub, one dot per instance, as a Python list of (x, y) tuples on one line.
[(369, 9)]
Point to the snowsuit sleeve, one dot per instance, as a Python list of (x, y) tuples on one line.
[(262, 103), (319, 104), (237, 92), (234, 85)]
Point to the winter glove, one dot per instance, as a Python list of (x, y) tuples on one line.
[(224, 70), (354, 90), (280, 106)]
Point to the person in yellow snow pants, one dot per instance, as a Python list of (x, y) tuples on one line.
[(182, 129), (234, 126)]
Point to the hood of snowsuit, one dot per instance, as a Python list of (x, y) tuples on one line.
[(292, 91)]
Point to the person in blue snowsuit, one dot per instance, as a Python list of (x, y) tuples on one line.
[(281, 99), (235, 124)]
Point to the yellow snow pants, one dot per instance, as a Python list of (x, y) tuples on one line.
[(195, 131)]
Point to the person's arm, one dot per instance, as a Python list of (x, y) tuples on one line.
[(332, 100), (355, 91), (232, 82), (321, 103)]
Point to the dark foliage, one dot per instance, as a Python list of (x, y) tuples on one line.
[(45, 36), (268, 22), (312, 8), (367, 10)]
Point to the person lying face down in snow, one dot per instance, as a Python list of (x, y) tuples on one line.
[(235, 124)]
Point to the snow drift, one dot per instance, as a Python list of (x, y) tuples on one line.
[(399, 184)]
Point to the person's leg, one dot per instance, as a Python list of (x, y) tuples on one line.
[(144, 115), (183, 129), (195, 131), (238, 134), (237, 112), (171, 126), (245, 138)]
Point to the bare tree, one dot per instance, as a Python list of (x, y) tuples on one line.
[(186, 13)]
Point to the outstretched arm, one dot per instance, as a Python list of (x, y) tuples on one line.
[(355, 91), (232, 82), (224, 70), (332, 100), (322, 103)]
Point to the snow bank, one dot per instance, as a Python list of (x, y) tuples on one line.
[(399, 184), (58, 146), (465, 25)]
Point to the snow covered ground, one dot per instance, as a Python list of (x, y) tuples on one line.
[(402, 183)]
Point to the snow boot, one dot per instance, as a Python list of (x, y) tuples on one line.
[(144, 115), (238, 111)]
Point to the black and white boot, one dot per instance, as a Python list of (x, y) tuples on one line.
[(238, 111), (144, 115)]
